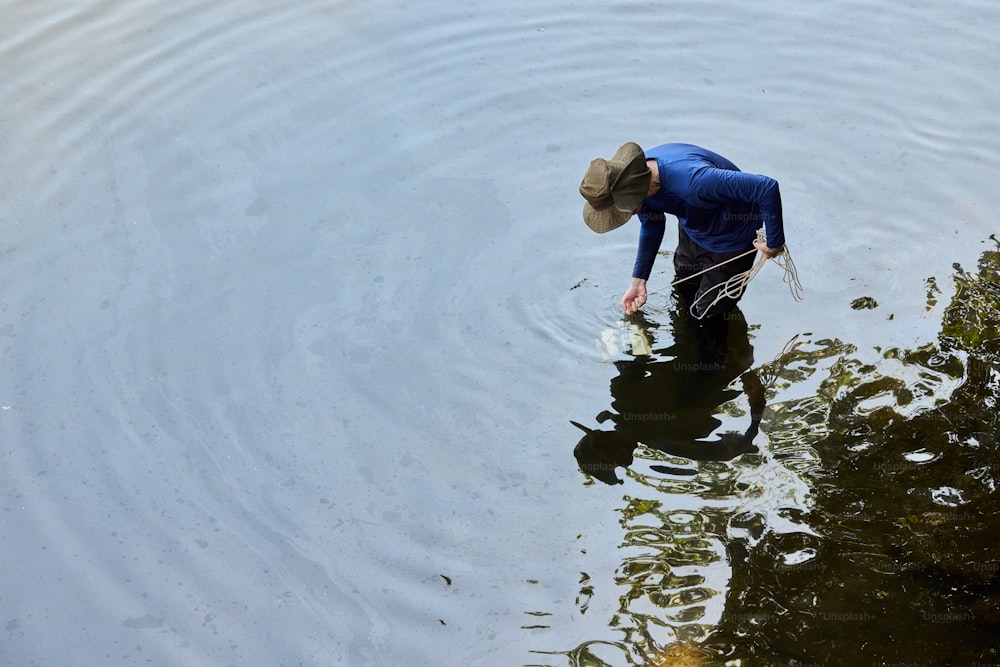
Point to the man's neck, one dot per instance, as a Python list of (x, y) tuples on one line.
[(654, 178)]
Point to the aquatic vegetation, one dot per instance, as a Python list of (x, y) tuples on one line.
[(971, 322), (932, 292), (679, 655), (863, 531), (904, 563)]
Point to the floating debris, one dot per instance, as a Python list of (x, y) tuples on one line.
[(932, 292), (864, 303)]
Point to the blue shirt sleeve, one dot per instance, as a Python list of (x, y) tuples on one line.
[(712, 186), (652, 226)]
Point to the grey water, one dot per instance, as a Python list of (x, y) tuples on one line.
[(298, 306)]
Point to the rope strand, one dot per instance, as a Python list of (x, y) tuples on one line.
[(733, 287)]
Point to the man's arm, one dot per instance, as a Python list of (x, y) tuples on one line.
[(651, 229), (652, 226), (715, 186)]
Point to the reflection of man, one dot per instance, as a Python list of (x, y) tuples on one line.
[(669, 401), (718, 208)]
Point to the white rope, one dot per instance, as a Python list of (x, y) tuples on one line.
[(733, 288), (695, 275)]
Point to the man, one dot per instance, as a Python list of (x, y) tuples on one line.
[(718, 208)]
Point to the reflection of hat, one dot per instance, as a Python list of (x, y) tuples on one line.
[(615, 188), (599, 453)]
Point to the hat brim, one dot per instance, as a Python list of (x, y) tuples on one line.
[(604, 220), (624, 194), (632, 185)]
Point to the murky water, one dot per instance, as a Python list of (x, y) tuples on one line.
[(298, 308)]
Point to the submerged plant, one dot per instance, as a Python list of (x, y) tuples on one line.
[(865, 529)]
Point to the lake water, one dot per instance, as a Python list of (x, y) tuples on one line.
[(298, 306)]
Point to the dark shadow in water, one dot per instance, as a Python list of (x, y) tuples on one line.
[(668, 400), (894, 558), (903, 558)]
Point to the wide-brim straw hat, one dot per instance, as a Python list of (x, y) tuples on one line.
[(615, 188)]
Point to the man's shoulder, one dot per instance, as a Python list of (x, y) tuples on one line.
[(689, 154), (675, 149)]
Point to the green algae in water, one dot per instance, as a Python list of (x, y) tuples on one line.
[(971, 322), (932, 293), (864, 303), (896, 557), (905, 564)]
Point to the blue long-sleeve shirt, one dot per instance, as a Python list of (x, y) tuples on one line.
[(716, 204)]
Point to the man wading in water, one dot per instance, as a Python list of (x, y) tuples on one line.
[(718, 208)]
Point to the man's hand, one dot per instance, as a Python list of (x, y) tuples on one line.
[(635, 297), (768, 252)]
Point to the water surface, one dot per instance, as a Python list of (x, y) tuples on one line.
[(291, 343)]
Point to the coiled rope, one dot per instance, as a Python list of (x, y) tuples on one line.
[(733, 287)]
